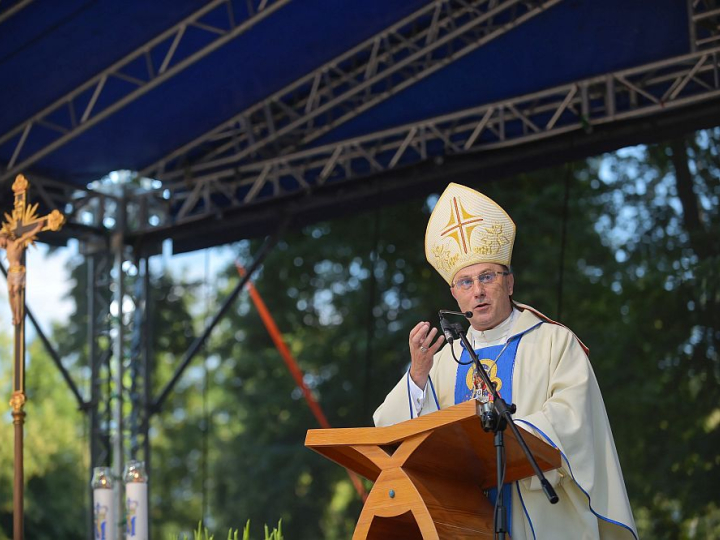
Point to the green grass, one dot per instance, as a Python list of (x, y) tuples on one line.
[(233, 534)]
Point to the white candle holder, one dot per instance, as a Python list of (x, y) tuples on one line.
[(104, 519), (136, 500)]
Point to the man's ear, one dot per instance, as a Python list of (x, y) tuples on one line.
[(452, 291), (511, 283)]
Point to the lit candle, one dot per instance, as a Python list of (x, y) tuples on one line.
[(104, 522), (136, 500)]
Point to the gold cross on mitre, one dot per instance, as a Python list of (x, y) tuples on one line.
[(460, 225)]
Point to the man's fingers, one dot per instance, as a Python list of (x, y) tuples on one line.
[(428, 341), (419, 333), (430, 336), (421, 341), (436, 346)]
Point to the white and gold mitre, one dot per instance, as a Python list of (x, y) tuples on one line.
[(466, 228)]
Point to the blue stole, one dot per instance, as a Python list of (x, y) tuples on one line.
[(501, 373)]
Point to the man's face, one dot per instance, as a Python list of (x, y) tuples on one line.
[(490, 304)]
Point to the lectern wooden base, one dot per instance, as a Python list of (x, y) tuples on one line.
[(429, 473)]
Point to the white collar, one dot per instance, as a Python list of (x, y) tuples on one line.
[(493, 336)]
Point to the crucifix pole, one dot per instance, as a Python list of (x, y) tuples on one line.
[(18, 231)]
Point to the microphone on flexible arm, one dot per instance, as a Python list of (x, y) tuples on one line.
[(495, 415), (487, 410), (449, 329), (467, 314)]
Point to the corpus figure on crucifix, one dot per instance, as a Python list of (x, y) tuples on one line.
[(17, 233), (15, 248)]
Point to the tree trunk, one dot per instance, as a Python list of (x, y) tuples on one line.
[(691, 207)]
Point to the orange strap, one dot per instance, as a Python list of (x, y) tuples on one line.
[(293, 367)]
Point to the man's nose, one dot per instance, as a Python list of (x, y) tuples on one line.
[(478, 288)]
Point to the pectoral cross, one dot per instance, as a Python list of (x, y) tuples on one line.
[(18, 231)]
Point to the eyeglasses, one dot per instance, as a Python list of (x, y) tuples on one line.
[(486, 278)]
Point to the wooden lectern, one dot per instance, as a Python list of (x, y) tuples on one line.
[(429, 473)]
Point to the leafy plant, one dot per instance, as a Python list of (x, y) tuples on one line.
[(202, 533)]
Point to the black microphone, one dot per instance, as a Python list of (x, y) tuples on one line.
[(467, 314), (448, 328)]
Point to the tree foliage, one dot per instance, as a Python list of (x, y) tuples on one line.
[(622, 248), (55, 456), (347, 293), (660, 215)]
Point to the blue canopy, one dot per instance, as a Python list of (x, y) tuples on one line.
[(49, 50)]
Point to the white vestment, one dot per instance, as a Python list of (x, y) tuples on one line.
[(558, 399)]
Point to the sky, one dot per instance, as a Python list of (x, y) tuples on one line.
[(48, 277), (47, 285), (48, 280)]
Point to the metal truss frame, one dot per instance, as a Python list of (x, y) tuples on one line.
[(100, 354), (88, 208), (120, 346), (72, 386), (122, 404), (92, 212), (296, 116), (140, 366), (574, 107), (13, 9), (349, 84), (129, 78), (270, 242), (99, 409), (98, 406), (704, 21), (135, 440)]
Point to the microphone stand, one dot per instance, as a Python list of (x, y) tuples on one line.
[(496, 418)]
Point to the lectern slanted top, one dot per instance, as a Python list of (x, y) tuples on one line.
[(429, 473)]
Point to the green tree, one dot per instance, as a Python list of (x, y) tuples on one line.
[(175, 491), (622, 248), (661, 219), (604, 245), (56, 460), (346, 293)]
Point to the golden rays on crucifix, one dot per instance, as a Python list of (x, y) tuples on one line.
[(24, 215)]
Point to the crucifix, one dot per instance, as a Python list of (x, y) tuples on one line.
[(18, 231)]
